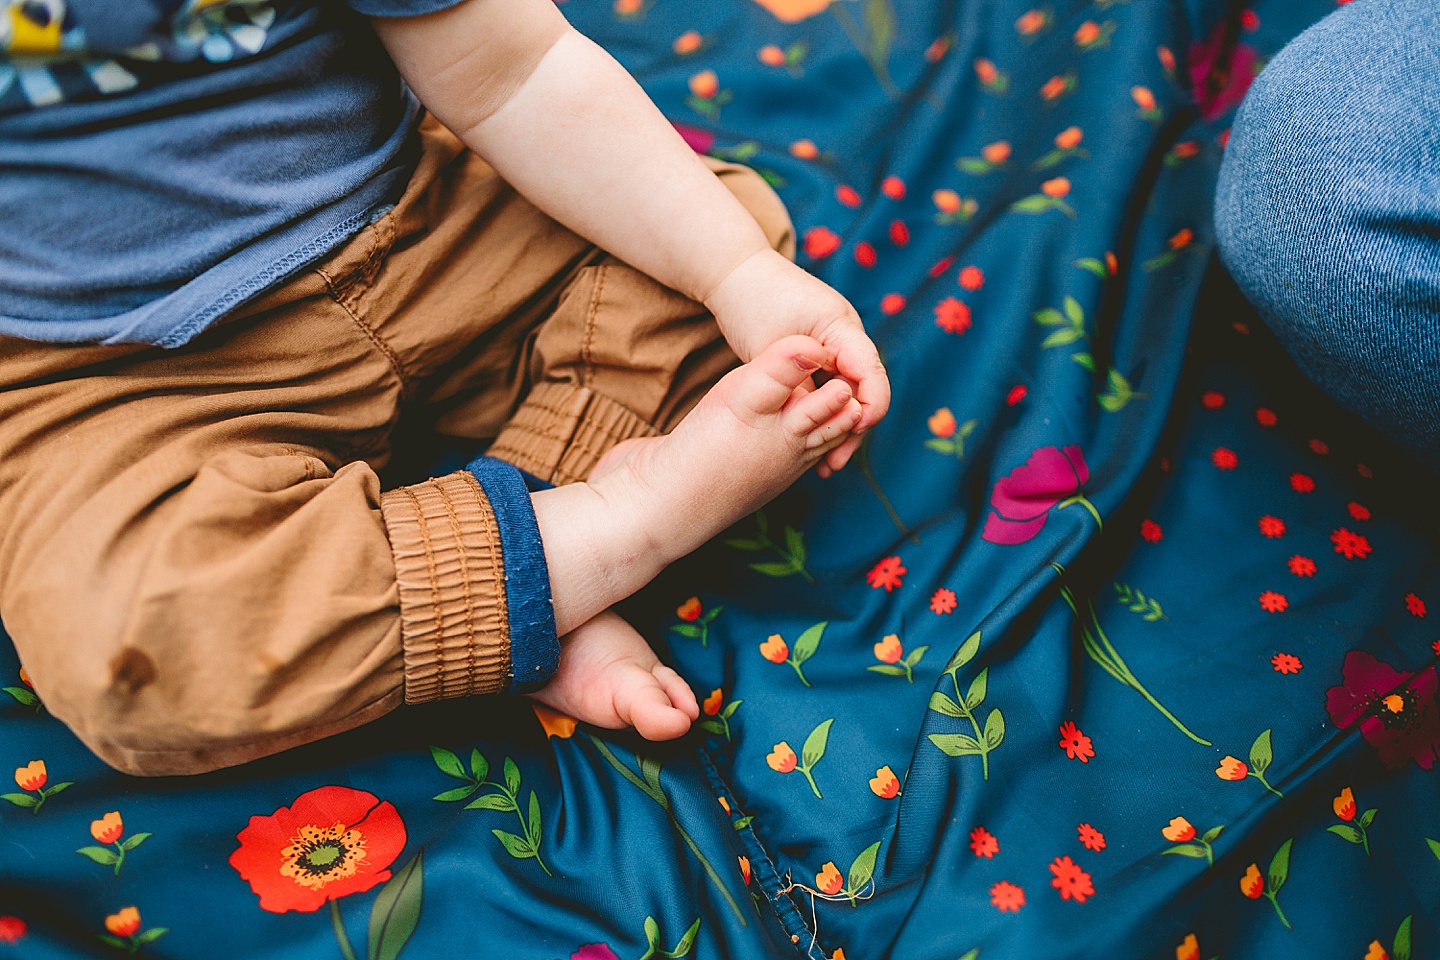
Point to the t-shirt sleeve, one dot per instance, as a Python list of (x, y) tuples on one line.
[(400, 8)]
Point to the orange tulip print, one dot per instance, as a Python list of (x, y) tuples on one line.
[(829, 881), (793, 11), (34, 777), (885, 784), (782, 758), (125, 933)]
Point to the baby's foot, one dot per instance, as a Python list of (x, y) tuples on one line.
[(748, 439), (610, 677)]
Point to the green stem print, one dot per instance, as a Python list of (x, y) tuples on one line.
[(1261, 756), (698, 628), (813, 751), (792, 554), (895, 665), (953, 443), (115, 858), (874, 39), (347, 949), (1400, 947), (719, 723), (862, 460), (963, 707), (1198, 847), (25, 696), (1254, 886), (1355, 829), (132, 942), (777, 651), (505, 799), (33, 778), (1135, 601), (1070, 329), (648, 783), (393, 916), (1099, 648), (831, 886), (682, 948)]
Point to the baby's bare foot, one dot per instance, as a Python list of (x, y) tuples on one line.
[(610, 677)]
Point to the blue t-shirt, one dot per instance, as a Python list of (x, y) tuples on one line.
[(163, 161)]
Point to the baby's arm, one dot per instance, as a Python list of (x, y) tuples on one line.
[(569, 128)]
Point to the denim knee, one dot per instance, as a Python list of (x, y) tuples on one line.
[(1328, 211)]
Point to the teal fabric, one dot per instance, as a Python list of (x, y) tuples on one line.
[(1247, 636)]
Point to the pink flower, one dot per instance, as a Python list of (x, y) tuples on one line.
[(594, 951), (1396, 711), (1022, 500), (1220, 74), (698, 140)]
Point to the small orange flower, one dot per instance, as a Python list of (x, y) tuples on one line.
[(1189, 949), (985, 71), (1088, 33), (774, 649), (1376, 952), (889, 650), (745, 869), (1167, 59), (705, 84), (627, 7), (972, 278), (1182, 239), (997, 152), (1179, 830), (124, 923), (937, 49), (885, 784), (1144, 99), (554, 723), (712, 703), (689, 610), (25, 678), (32, 776), (793, 11), (1111, 263), (1031, 22), (1056, 188), (839, 954), (688, 42), (1345, 805), (724, 804), (1054, 87), (804, 150), (828, 881), (942, 423), (1185, 149), (1069, 138), (782, 759), (772, 56), (108, 828), (1232, 769), (1252, 884), (947, 201)]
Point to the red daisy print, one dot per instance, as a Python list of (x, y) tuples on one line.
[(1150, 531), (847, 196), (972, 278), (1007, 897), (892, 303), (1415, 605), (1286, 663), (899, 233), (1016, 394), (1266, 417), (893, 187), (1272, 527), (1224, 458), (1272, 602), (1358, 511), (1077, 746), (331, 842), (820, 242), (952, 316), (1435, 646), (1072, 882), (1301, 566), (888, 573), (943, 601), (1090, 838), (984, 844), (1351, 546), (865, 254), (1302, 483), (12, 929), (1212, 399), (1364, 471), (941, 266), (1320, 447)]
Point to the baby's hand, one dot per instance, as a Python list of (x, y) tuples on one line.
[(767, 297)]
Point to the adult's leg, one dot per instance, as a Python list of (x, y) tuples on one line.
[(1328, 211)]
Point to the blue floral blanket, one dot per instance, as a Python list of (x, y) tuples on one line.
[(1113, 642)]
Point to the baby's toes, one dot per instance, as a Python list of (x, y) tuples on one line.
[(681, 696), (762, 386), (825, 416), (643, 703)]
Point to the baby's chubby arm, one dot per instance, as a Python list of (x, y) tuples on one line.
[(570, 129)]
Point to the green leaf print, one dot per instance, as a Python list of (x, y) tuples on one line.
[(396, 912)]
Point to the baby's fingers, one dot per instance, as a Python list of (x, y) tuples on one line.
[(858, 361)]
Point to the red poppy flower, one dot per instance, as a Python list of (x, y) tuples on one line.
[(1286, 663), (1007, 897), (1302, 483), (943, 601), (1358, 511), (1350, 545), (1272, 602), (984, 844), (888, 573), (1072, 882), (1301, 566), (1415, 605), (1090, 838), (1023, 498), (1224, 458), (329, 843), (820, 242), (1150, 531), (1397, 711), (1272, 526), (1077, 746), (1266, 417), (952, 316)]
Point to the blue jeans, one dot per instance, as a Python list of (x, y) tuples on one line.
[(1328, 211)]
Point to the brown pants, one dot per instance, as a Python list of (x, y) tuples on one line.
[(197, 563)]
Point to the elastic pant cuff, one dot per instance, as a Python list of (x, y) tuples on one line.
[(562, 430)]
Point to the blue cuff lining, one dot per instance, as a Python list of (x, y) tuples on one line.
[(534, 646)]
